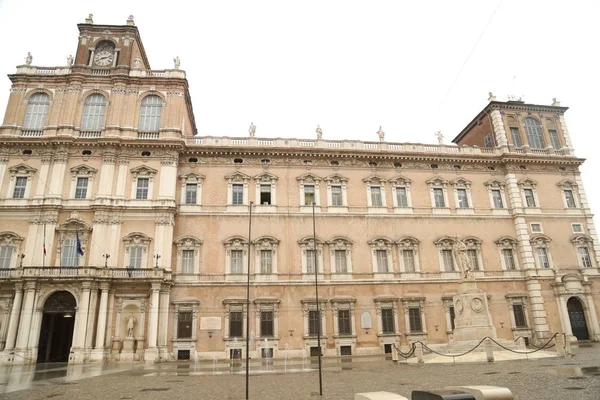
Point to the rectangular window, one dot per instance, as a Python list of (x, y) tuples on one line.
[(529, 198), (408, 256), (341, 265), (438, 197), (387, 320), (184, 325), (191, 193), (141, 192), (266, 324), (236, 324), (584, 256), (69, 256), (414, 318), (336, 196), (237, 194), (569, 198), (309, 195), (313, 322), (401, 197), (488, 140), (376, 200), (509, 259), (344, 323), (266, 262), (463, 201), (5, 256), (448, 260), (516, 138), (536, 228), (473, 259), (265, 195), (135, 256), (577, 228), (187, 261), (20, 185), (382, 260), (81, 188), (452, 317), (236, 261), (497, 198), (543, 257), (519, 314), (554, 139), (310, 261)]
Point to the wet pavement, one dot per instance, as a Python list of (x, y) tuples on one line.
[(576, 377)]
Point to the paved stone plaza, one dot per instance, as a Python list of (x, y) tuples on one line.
[(577, 377)]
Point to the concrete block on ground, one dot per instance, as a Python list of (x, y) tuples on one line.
[(487, 392), (378, 396)]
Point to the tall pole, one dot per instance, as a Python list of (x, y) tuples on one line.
[(248, 301), (317, 299)]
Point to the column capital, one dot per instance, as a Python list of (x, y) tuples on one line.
[(86, 285), (30, 286), (104, 286), (156, 287), (18, 286)]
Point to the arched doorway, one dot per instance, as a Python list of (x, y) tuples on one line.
[(577, 318), (58, 321)]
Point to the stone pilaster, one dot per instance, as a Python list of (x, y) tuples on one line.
[(499, 131)]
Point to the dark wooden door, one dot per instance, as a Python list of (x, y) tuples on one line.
[(577, 318)]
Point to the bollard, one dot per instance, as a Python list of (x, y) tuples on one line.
[(489, 350), (378, 396), (486, 392), (560, 350), (394, 354), (568, 345), (419, 352)]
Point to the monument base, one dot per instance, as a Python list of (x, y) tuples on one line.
[(128, 351), (472, 320)]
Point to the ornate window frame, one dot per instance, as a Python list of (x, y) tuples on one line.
[(401, 182), (408, 243), (236, 243), (136, 239), (87, 123), (474, 243), (386, 302), (266, 178), (541, 241), (192, 178), (234, 305), (446, 243), (572, 186), (309, 304), (342, 182), (185, 305), (305, 244), (12, 242), (312, 180), (438, 183), (498, 185), (343, 303), (237, 178), (414, 302), (190, 243), (265, 243), (386, 244), (82, 171), (520, 299), (37, 110), (74, 225), (371, 182), (586, 242), (340, 243), (20, 171), (529, 184), (463, 184), (448, 303), (266, 304), (157, 107), (508, 243), (142, 171)]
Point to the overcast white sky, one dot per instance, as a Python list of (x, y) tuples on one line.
[(349, 66)]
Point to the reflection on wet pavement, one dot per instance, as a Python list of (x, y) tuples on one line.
[(579, 371)]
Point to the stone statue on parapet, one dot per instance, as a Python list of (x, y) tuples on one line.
[(461, 256), (440, 137), (28, 59), (177, 62), (319, 132), (381, 134), (70, 60), (252, 130)]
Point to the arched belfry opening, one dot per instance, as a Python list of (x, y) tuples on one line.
[(577, 318), (58, 321)]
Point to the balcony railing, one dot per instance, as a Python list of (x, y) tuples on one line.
[(86, 272)]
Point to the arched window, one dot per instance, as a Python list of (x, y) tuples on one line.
[(150, 113), (37, 111), (534, 133), (93, 113)]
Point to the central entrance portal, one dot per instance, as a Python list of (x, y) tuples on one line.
[(577, 318), (58, 322)]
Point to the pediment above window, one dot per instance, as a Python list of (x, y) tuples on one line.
[(436, 182), (381, 243), (22, 169), (567, 184), (308, 242), (308, 178), (143, 171), (374, 180), (192, 177), (265, 177), (461, 183), (400, 181), (408, 242), (540, 240), (506, 242), (336, 179), (83, 170), (445, 242), (582, 240), (495, 183), (239, 177), (137, 238), (340, 242), (188, 241), (527, 183), (266, 242), (236, 242), (74, 222), (10, 238)]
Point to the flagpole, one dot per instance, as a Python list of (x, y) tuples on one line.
[(44, 245)]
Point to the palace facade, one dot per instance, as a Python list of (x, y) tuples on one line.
[(125, 236)]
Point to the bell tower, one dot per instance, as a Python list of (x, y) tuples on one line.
[(109, 49)]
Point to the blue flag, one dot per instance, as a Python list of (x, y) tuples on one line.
[(79, 249)]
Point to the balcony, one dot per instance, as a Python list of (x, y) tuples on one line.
[(86, 273)]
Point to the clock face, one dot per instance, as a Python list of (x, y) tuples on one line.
[(103, 58)]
